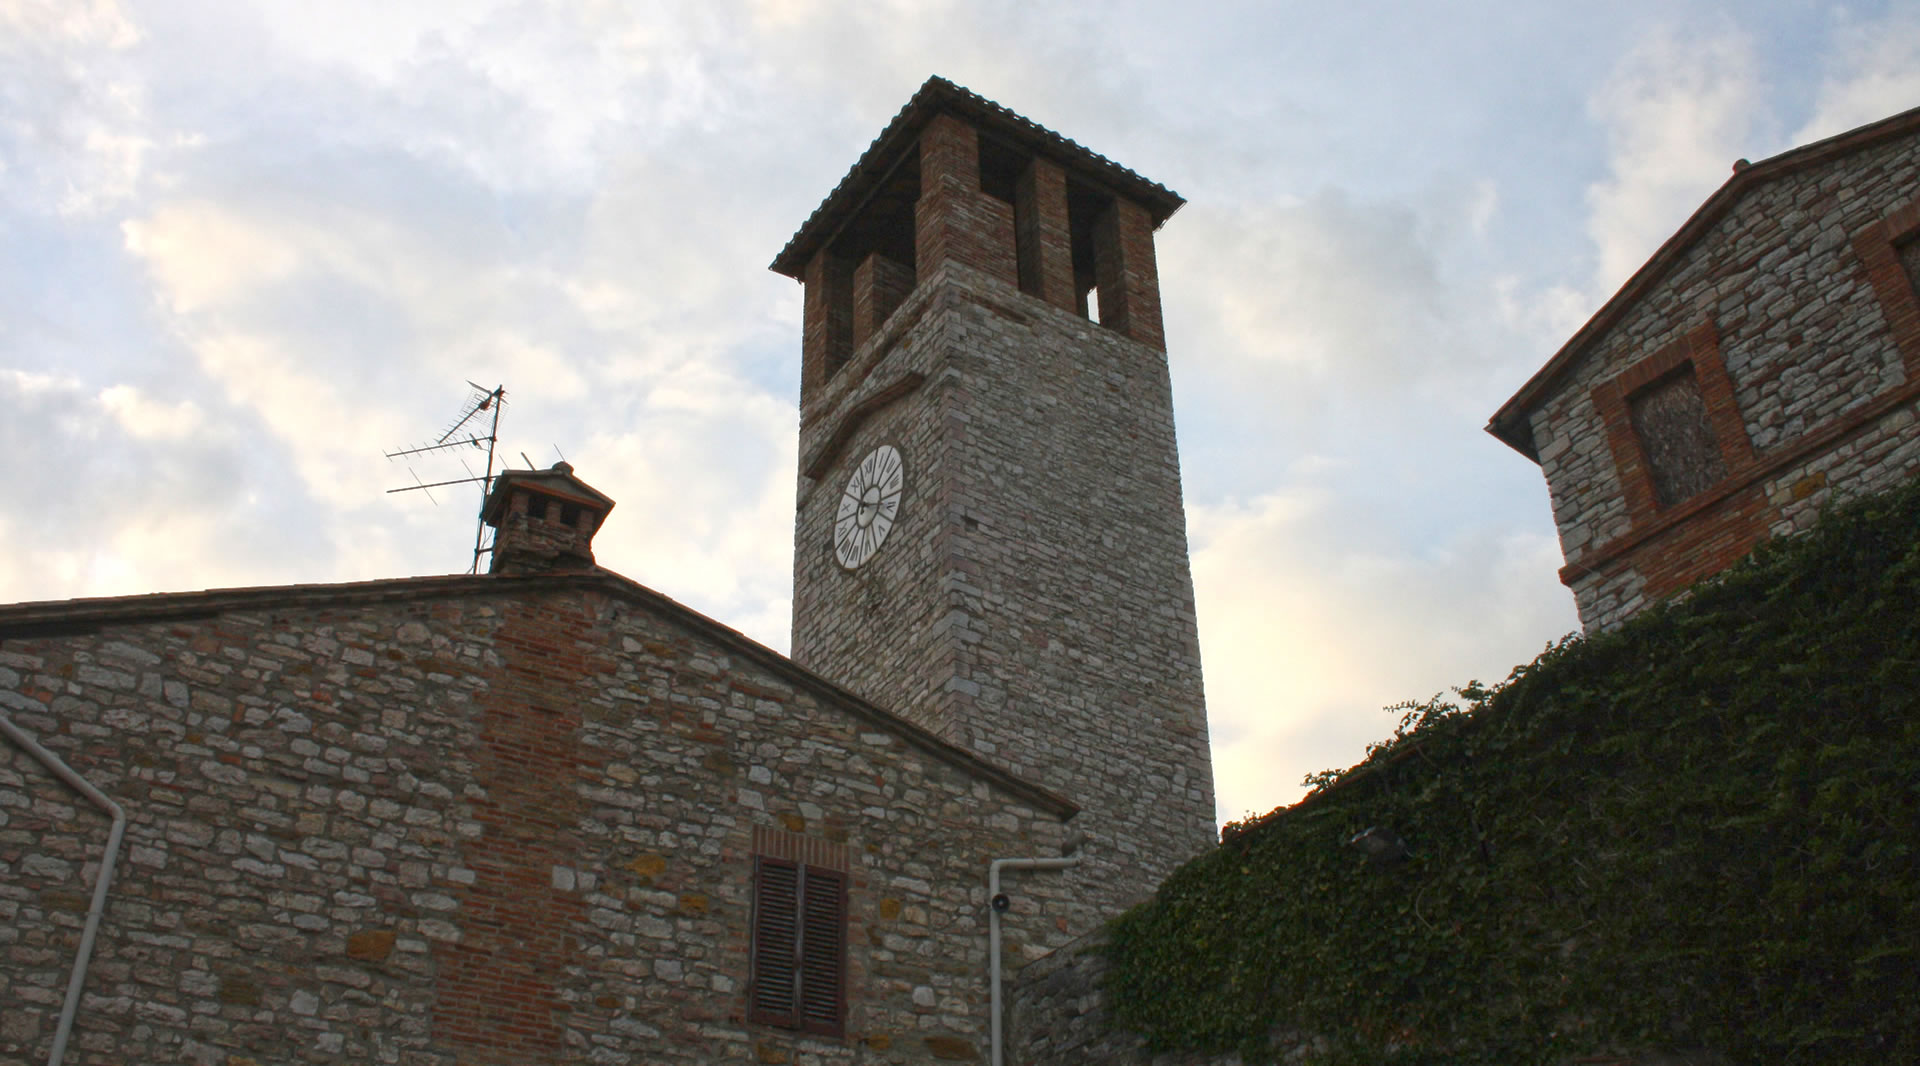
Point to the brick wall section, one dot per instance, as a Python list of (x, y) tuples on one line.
[(1125, 272), (1033, 603), (497, 990), (954, 220), (1814, 335), (813, 323), (475, 820), (879, 286), (826, 337), (1045, 241)]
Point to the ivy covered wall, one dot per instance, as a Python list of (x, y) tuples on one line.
[(1698, 833)]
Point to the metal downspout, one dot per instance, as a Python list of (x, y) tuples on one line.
[(996, 903), (99, 799)]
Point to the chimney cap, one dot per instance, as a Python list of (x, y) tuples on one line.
[(555, 483)]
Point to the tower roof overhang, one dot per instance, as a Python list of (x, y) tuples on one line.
[(940, 96), (1512, 423)]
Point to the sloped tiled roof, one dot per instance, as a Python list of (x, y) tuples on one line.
[(1511, 423), (940, 95)]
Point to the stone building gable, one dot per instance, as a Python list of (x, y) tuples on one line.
[(475, 820), (1765, 358)]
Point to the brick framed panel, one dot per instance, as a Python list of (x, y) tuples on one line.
[(1699, 349), (1878, 246)]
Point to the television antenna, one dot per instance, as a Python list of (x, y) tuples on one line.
[(482, 409)]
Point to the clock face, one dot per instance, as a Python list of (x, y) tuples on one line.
[(868, 507)]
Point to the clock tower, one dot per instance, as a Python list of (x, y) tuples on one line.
[(990, 538)]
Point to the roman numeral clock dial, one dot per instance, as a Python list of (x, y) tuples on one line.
[(868, 506)]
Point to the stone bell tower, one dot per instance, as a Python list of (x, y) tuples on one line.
[(990, 538)]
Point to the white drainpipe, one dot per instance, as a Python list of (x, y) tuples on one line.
[(99, 799), (997, 903)]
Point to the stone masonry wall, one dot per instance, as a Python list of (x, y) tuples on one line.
[(473, 820), (1033, 603), (1810, 367)]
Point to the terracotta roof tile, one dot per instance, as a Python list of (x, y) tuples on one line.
[(940, 95)]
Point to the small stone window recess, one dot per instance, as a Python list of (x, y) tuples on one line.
[(1909, 253), (799, 948), (1670, 420)]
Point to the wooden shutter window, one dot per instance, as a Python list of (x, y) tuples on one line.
[(774, 987), (823, 950), (799, 947)]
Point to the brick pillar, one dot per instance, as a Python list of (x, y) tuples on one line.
[(1044, 241), (813, 324), (826, 331), (953, 219), (879, 285), (1125, 273)]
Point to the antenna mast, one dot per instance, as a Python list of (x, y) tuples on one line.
[(480, 402)]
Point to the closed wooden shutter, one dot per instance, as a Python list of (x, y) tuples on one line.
[(823, 935), (775, 992), (799, 947)]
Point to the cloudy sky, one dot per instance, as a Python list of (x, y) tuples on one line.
[(247, 248)]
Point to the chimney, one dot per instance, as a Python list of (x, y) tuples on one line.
[(543, 520)]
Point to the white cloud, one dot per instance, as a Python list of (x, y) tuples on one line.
[(1483, 206), (73, 132), (703, 476), (309, 410), (1546, 317), (127, 489), (1677, 110), (87, 22), (1875, 73), (1315, 612), (142, 416), (1327, 286), (204, 255)]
